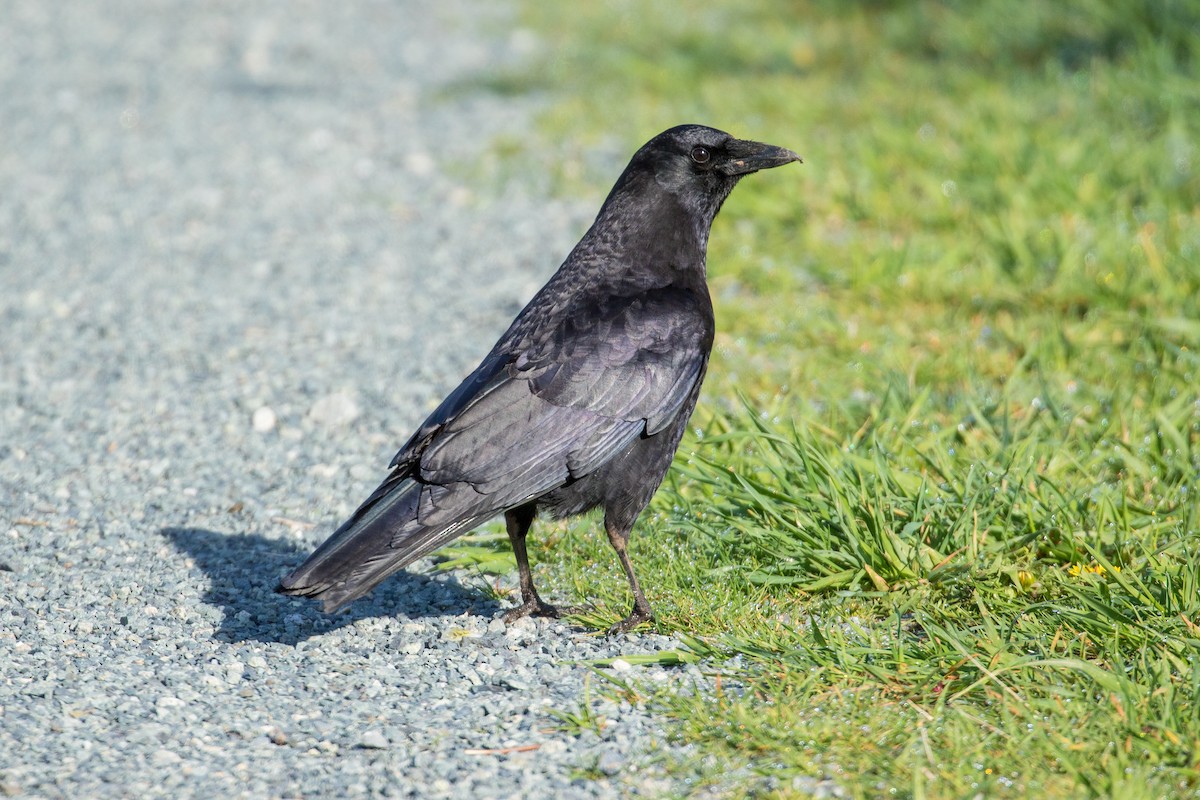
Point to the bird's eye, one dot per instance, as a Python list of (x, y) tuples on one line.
[(701, 155)]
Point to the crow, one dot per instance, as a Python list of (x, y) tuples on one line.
[(583, 400)]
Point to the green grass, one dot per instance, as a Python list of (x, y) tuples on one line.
[(937, 527)]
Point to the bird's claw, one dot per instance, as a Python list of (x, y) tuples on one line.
[(636, 617), (538, 608)]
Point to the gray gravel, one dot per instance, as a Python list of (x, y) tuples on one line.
[(244, 248)]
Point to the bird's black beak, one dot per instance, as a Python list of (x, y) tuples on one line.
[(745, 157)]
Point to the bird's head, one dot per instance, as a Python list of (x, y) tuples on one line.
[(700, 165)]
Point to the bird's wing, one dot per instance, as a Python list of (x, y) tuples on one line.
[(570, 396), (630, 358), (488, 376)]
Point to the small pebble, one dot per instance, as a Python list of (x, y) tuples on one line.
[(335, 411), (373, 740), (263, 419), (610, 762)]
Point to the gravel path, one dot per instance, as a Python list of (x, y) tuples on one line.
[(242, 252)]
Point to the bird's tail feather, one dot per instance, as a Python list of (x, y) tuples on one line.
[(384, 535)]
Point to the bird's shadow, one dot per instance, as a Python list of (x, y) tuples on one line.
[(243, 570)]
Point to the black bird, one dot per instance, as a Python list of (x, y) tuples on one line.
[(584, 399)]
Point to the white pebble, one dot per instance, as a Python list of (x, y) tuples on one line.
[(373, 740), (335, 410), (163, 757), (264, 420)]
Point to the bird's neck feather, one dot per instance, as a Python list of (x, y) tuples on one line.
[(646, 232)]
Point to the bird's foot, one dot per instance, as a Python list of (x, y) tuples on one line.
[(538, 608), (635, 618)]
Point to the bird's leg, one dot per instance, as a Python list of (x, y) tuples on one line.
[(517, 522), (618, 536)]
